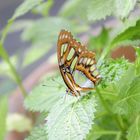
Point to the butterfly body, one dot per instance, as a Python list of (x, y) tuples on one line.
[(73, 56)]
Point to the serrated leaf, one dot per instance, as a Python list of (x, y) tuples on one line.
[(3, 115), (129, 96), (112, 71), (25, 7), (96, 8), (93, 10), (134, 130), (38, 133), (44, 96), (71, 6), (124, 7), (71, 118)]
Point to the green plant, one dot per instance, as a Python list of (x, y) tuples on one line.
[(113, 110)]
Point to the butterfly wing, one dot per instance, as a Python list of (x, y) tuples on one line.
[(74, 56)]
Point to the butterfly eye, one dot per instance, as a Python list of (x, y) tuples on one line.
[(71, 53)]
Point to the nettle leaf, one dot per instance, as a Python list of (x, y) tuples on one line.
[(25, 7), (44, 96), (118, 8), (134, 130), (97, 6), (94, 8), (3, 115), (130, 30), (70, 7), (38, 133), (112, 71), (71, 118), (124, 7), (129, 95)]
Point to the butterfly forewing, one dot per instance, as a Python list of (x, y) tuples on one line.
[(74, 56)]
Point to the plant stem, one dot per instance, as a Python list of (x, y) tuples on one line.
[(119, 123), (5, 57)]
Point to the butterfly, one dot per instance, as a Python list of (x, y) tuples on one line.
[(73, 56)]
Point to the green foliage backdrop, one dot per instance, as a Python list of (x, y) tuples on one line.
[(110, 112)]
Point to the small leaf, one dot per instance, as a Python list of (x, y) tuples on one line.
[(25, 7), (130, 30), (44, 8), (38, 133), (137, 62), (96, 8), (112, 71), (129, 96), (44, 96), (134, 130), (3, 115), (124, 7), (71, 118)]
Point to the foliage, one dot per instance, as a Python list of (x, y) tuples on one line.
[(93, 9), (112, 110), (72, 116), (38, 133), (3, 114)]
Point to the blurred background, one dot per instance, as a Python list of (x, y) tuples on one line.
[(32, 38)]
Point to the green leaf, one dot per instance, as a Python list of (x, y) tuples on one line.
[(45, 31), (130, 30), (44, 8), (134, 130), (129, 95), (74, 8), (71, 118), (100, 41), (123, 7), (44, 96), (112, 71), (38, 133), (96, 8), (3, 115), (94, 133), (34, 53), (93, 10), (25, 7), (137, 62), (118, 8)]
